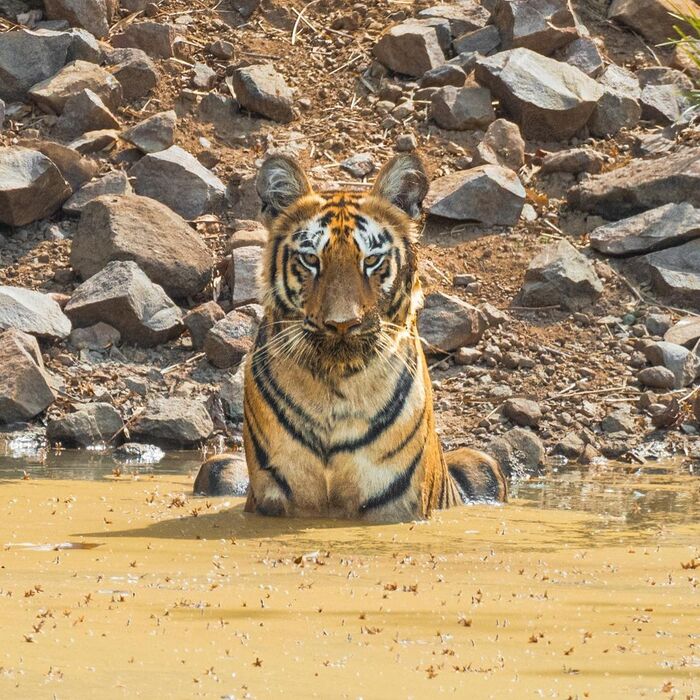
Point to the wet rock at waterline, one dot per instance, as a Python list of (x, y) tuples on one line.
[(172, 422), (92, 424), (519, 452)]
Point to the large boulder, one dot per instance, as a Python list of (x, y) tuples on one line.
[(172, 422), (178, 180), (641, 185), (130, 227), (25, 390), (93, 15), (489, 194), (663, 227), (31, 186), (446, 323), (122, 296), (32, 312), (653, 19), (550, 100), (410, 48), (619, 106), (540, 25), (153, 134), (92, 424), (52, 94), (462, 108), (262, 90), (28, 57), (559, 275)]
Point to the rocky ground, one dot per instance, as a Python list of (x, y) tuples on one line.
[(561, 252)]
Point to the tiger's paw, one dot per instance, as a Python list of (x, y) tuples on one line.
[(222, 475), (478, 477)]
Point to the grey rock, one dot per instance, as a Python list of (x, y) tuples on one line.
[(410, 49), (135, 71), (203, 77), (465, 16), (28, 57), (84, 47), (446, 323), (570, 446), (360, 165), (173, 422), (231, 393), (519, 452), (92, 424), (686, 332), (83, 112), (25, 389), (406, 143), (92, 15), (243, 274), (112, 183), (583, 53), (31, 186), (221, 49), (657, 378), (550, 100), (523, 412), (223, 475), (94, 141), (122, 296), (2, 114), (658, 324), (502, 145), (32, 312), (52, 94), (230, 339), (153, 134), (618, 421), (663, 75), (684, 364), (99, 337), (484, 41), (663, 227), (652, 18), (130, 227), (155, 38), (661, 104), (619, 107), (560, 274), (462, 108), (74, 167), (262, 90), (220, 110), (135, 453), (575, 160), (641, 185), (489, 194), (201, 320), (178, 180), (443, 75)]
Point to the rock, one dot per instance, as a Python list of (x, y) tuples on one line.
[(178, 180), (84, 47), (523, 412), (155, 38), (619, 107), (489, 194), (32, 312), (467, 356), (84, 112), (134, 453), (92, 15), (25, 390), (94, 141), (2, 114), (360, 165), (220, 110), (223, 475), (462, 108), (641, 185), (31, 186), (539, 25), (673, 273), (575, 160), (494, 316), (92, 424), (230, 339), (652, 18), (658, 324), (484, 41), (231, 393), (262, 90), (570, 446), (684, 364), (135, 71), (519, 452), (249, 233), (550, 100), (465, 16), (203, 77), (221, 49), (410, 49), (115, 183), (122, 296), (443, 75), (173, 422), (663, 75), (446, 323), (130, 227), (686, 332), (560, 275), (243, 274), (618, 421), (74, 168), (405, 143), (52, 94), (153, 134), (657, 378), (99, 337), (663, 227), (28, 57), (661, 104), (583, 53), (201, 320), (502, 145)]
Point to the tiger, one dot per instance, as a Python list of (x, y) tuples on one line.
[(338, 408)]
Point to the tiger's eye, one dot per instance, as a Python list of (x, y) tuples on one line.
[(372, 260), (309, 259)]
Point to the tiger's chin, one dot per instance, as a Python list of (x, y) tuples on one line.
[(341, 355)]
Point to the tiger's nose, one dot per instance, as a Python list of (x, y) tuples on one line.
[(342, 327)]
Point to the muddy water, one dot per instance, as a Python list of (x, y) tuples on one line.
[(121, 585)]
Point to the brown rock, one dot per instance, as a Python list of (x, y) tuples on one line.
[(652, 18), (447, 323), (230, 339), (502, 145), (155, 38), (410, 48), (201, 320), (523, 412), (261, 89)]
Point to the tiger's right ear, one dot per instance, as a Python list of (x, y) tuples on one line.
[(280, 183)]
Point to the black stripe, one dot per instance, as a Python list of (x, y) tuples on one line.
[(411, 434), (396, 488), (382, 420), (281, 303)]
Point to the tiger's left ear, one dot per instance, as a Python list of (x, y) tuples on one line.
[(280, 183), (403, 182)]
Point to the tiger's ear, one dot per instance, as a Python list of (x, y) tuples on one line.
[(280, 183), (403, 182)]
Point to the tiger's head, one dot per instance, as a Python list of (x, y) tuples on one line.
[(339, 272)]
